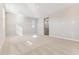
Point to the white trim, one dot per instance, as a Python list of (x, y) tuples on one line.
[(3, 25), (66, 38)]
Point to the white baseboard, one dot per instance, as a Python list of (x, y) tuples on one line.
[(66, 38)]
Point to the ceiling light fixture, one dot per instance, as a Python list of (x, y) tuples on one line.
[(34, 36)]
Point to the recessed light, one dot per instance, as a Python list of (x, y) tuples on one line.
[(34, 36)]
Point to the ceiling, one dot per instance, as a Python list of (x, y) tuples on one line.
[(36, 9)]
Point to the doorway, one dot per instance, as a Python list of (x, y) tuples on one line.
[(46, 26)]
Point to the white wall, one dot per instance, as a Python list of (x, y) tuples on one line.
[(2, 25), (65, 24), (27, 25), (20, 25), (11, 24)]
